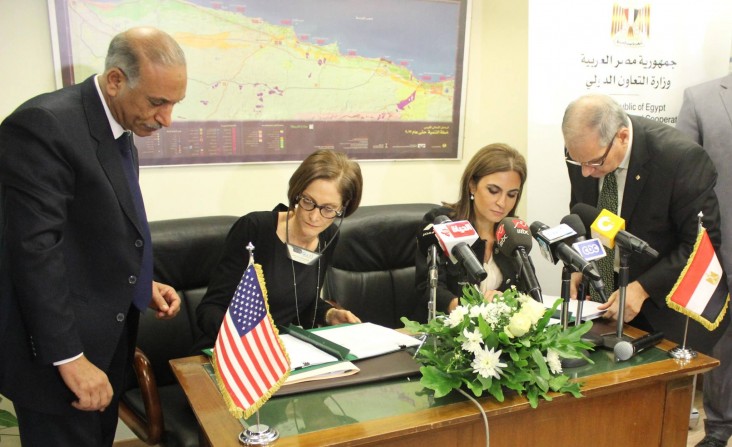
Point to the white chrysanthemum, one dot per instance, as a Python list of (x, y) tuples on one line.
[(456, 316), (518, 325), (477, 310), (554, 362), (473, 340), (487, 363)]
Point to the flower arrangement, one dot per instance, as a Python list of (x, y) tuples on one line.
[(506, 343)]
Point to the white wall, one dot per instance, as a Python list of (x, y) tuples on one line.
[(496, 111)]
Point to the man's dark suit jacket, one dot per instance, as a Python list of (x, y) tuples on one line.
[(69, 245), (670, 180)]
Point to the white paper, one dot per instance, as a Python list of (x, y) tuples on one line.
[(339, 369), (366, 340), (303, 354), (590, 309)]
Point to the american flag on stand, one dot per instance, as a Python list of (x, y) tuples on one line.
[(249, 359), (701, 291)]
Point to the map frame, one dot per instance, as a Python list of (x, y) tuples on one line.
[(234, 141)]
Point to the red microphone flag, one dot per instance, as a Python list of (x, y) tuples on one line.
[(249, 358), (701, 291)]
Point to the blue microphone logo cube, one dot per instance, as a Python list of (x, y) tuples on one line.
[(590, 250)]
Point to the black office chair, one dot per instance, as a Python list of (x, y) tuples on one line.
[(154, 406), (372, 273)]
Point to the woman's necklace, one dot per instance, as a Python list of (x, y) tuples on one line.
[(317, 291), (294, 277)]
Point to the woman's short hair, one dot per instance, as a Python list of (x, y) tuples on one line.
[(325, 164), (496, 157)]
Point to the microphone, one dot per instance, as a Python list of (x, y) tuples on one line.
[(589, 250), (624, 350), (514, 240), (426, 239), (610, 229), (551, 241), (455, 239)]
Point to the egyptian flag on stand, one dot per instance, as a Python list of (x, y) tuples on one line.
[(249, 358), (701, 290)]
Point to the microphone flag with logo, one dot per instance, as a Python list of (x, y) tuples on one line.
[(249, 358), (701, 291)]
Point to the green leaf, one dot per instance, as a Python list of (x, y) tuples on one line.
[(533, 396), (7, 419), (476, 387), (496, 391), (438, 381), (540, 362), (542, 383)]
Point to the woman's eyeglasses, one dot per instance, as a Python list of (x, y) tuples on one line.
[(326, 211)]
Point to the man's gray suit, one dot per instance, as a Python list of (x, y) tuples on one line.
[(706, 116)]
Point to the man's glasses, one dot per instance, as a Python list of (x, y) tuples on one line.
[(326, 211), (592, 163)]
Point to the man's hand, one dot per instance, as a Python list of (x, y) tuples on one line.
[(165, 301), (339, 316), (88, 383), (635, 295), (574, 283)]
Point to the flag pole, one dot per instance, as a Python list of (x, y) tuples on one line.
[(682, 352), (258, 434)]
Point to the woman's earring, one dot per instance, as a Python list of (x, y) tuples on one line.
[(472, 197)]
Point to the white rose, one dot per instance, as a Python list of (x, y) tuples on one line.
[(534, 310), (518, 325)]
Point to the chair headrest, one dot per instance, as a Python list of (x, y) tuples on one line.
[(380, 237), (185, 251)]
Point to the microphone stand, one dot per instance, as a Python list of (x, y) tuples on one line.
[(564, 319), (611, 339), (582, 290), (432, 277), (566, 281), (581, 294)]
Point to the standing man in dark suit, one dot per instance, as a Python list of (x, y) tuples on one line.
[(706, 116), (663, 181), (75, 247)]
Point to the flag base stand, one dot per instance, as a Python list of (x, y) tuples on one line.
[(682, 353), (259, 434)]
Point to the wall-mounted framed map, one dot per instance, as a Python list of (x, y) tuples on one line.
[(273, 80)]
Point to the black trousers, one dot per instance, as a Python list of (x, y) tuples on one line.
[(83, 428)]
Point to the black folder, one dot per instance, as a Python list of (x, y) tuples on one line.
[(394, 365)]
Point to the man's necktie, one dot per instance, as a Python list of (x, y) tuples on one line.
[(608, 200), (143, 281)]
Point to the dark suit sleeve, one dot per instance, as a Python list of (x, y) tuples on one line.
[(38, 187), (692, 191)]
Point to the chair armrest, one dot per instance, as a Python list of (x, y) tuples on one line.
[(151, 428)]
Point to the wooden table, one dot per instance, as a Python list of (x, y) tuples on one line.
[(644, 403)]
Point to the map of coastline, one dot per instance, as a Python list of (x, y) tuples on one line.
[(245, 68)]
